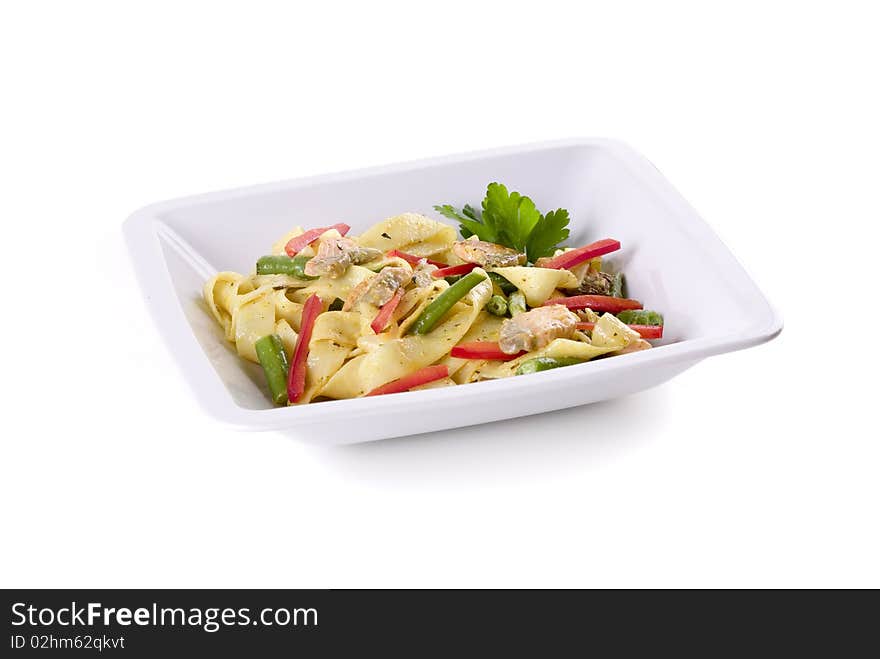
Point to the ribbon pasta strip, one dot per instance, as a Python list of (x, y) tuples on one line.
[(355, 277)]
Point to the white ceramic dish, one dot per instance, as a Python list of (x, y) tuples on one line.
[(673, 261)]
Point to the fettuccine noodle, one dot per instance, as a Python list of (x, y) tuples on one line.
[(380, 318)]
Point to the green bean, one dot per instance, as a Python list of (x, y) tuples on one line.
[(516, 303), (506, 287), (444, 302), (272, 358), (545, 364), (497, 305), (640, 317), (451, 279), (618, 284), (283, 265)]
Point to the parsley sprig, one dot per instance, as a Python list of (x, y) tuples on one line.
[(511, 219)]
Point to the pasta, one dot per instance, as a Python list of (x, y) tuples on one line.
[(410, 232), (355, 316)]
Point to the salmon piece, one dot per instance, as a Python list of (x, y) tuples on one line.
[(487, 255), (535, 329), (335, 255)]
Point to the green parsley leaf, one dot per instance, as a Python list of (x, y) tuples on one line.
[(514, 215), (511, 219), (448, 210), (470, 212), (468, 226), (547, 234)]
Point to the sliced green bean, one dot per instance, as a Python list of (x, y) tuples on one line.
[(516, 303), (272, 358), (444, 302), (545, 364), (640, 317), (506, 287), (497, 305), (283, 265)]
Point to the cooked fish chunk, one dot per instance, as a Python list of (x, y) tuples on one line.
[(421, 275), (335, 255), (379, 289), (535, 329), (385, 284), (596, 283), (487, 255)]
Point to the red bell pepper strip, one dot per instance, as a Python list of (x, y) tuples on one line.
[(596, 303), (412, 259), (381, 320), (482, 350), (453, 270), (573, 257), (296, 382), (298, 243), (645, 331), (407, 382)]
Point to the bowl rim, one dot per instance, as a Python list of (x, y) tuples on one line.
[(143, 229)]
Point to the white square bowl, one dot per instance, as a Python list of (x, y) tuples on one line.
[(673, 261)]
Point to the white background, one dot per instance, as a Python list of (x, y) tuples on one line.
[(758, 468)]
